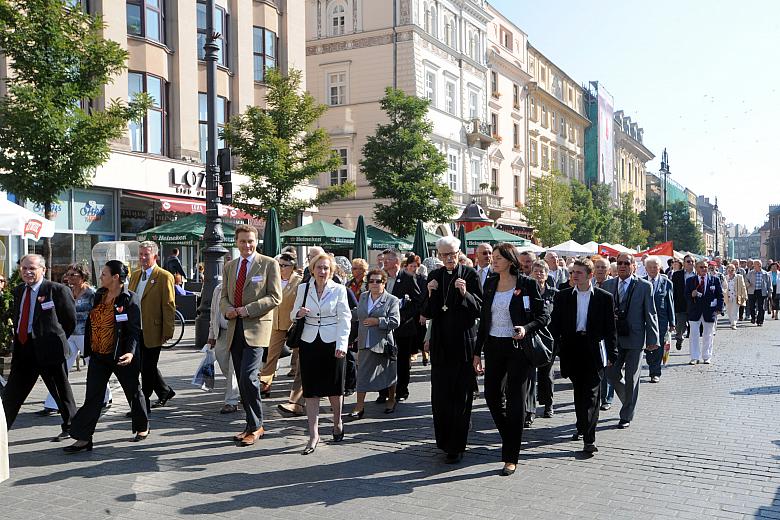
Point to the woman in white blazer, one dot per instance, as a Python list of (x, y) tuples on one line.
[(323, 344)]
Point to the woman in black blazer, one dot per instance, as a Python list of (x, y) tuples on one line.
[(111, 338), (511, 309)]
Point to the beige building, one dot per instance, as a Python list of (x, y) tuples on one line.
[(631, 158), (155, 174), (556, 120)]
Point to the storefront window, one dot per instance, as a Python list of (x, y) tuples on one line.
[(61, 209), (93, 211)]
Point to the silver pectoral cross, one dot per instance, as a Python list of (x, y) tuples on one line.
[(444, 307)]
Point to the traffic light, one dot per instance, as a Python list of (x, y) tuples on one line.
[(225, 163)]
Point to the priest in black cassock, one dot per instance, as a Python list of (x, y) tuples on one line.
[(454, 300)]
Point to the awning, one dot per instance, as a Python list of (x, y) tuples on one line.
[(186, 231), (319, 233), (491, 235), (182, 205), (379, 240)]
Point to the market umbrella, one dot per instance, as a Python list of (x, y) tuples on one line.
[(420, 246), (272, 242), (319, 233), (379, 240), (462, 238), (493, 236), (360, 246), (187, 230), (430, 239)]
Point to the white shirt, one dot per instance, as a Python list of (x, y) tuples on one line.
[(583, 301), (33, 296), (248, 263), (501, 321), (139, 291), (391, 278), (483, 272)]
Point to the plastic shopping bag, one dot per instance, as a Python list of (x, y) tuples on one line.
[(204, 375)]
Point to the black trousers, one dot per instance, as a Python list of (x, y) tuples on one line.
[(507, 379), (452, 395), (25, 371), (545, 382), (406, 347), (586, 383), (151, 378), (350, 377), (98, 373), (756, 306)]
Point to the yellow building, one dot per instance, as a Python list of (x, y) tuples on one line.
[(631, 157)]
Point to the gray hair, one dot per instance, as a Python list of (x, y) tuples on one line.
[(314, 251), (41, 259), (453, 242), (529, 254), (148, 244), (485, 245), (654, 259)]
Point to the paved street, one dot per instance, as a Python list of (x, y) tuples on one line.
[(705, 444)]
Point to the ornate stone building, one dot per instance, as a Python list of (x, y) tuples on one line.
[(631, 158)]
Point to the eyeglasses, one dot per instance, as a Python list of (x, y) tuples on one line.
[(486, 253), (285, 265), (453, 254), (689, 261), (623, 263), (376, 280)]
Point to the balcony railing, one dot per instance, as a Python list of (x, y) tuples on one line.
[(488, 201), (479, 133)]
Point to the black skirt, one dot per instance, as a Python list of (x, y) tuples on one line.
[(322, 373)]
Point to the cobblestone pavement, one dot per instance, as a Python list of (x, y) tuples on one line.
[(705, 444)]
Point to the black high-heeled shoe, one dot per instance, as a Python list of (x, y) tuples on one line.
[(358, 415), (338, 437), (73, 448), (308, 450), (138, 437)]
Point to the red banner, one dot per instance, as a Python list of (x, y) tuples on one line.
[(607, 251), (664, 249)]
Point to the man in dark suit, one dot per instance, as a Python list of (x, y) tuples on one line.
[(704, 295), (583, 326), (44, 316), (664, 306), (403, 286), (484, 258), (680, 301), (173, 265)]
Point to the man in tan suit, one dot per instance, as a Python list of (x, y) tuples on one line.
[(153, 291), (281, 319), (252, 290)]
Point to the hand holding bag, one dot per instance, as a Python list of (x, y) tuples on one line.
[(296, 329), (537, 348)]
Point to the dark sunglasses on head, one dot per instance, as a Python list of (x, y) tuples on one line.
[(376, 280)]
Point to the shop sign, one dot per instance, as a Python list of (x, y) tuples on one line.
[(93, 211), (189, 182), (60, 208)]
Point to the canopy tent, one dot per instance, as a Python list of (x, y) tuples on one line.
[(186, 231), (493, 236), (592, 246), (379, 240), (530, 247), (570, 248), (16, 220), (319, 233)]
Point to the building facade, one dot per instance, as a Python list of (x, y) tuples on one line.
[(631, 158), (156, 172), (747, 245), (773, 242)]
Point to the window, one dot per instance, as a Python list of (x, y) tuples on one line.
[(450, 31), (515, 96), (564, 164), (532, 108), (506, 38), (544, 116), (474, 45), (337, 88), (203, 122), (563, 126), (545, 157), (516, 135), (553, 159), (494, 83), (145, 18), (449, 98), (516, 189), (473, 105), (494, 179), (431, 20), (572, 169), (554, 120), (622, 169), (534, 152), (339, 176), (494, 124), (542, 75), (263, 51), (430, 87), (337, 20), (220, 26), (149, 134), (452, 171), (475, 171)]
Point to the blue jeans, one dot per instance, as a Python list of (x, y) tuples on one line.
[(607, 391)]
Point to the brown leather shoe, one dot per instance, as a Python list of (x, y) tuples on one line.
[(251, 437), (240, 436)]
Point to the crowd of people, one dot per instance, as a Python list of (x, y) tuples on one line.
[(506, 317)]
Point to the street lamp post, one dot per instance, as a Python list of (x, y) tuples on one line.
[(665, 172), (715, 214), (212, 236)]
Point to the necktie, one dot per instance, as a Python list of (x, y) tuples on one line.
[(238, 293), (143, 276), (24, 322), (623, 286), (700, 288)]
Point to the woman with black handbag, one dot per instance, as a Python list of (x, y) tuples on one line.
[(378, 315), (512, 310)]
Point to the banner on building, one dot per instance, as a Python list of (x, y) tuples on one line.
[(606, 143)]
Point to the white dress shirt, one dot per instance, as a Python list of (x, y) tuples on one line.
[(139, 292), (583, 301), (33, 296)]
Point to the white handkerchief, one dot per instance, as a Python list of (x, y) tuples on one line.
[(603, 352)]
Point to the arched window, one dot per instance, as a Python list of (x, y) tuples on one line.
[(450, 31), (431, 20), (474, 45), (337, 19)]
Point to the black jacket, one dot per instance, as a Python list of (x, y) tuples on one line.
[(678, 286), (50, 327), (534, 318), (576, 357), (410, 297), (173, 265), (126, 332)]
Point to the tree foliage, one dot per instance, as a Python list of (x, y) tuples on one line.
[(402, 165), (685, 234), (653, 219), (585, 217), (630, 231), (548, 208), (279, 148)]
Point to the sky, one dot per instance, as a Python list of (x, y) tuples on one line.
[(700, 76)]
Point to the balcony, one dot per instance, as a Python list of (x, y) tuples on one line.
[(488, 201), (479, 133)]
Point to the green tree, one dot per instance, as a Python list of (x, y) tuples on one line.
[(585, 218), (279, 148), (606, 228), (630, 230), (402, 165), (548, 208), (685, 234), (50, 141), (652, 219)]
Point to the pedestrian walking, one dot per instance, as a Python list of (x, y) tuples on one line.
[(758, 286), (705, 301), (734, 294), (774, 292), (663, 296), (679, 279), (601, 270), (173, 265), (217, 339)]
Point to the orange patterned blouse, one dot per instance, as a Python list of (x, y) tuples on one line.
[(102, 319)]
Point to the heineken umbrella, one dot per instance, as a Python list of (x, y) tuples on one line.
[(360, 246), (272, 243), (493, 236), (420, 246), (462, 238), (319, 233), (379, 240), (186, 231), (430, 239)]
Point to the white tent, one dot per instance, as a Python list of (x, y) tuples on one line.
[(570, 248), (592, 246), (16, 220), (623, 249), (529, 247)]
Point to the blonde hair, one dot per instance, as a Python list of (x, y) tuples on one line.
[(323, 256), (359, 262)]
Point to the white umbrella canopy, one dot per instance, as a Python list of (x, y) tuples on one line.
[(16, 220), (570, 248), (623, 249), (592, 246), (530, 247)]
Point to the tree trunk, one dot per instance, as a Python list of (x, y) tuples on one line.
[(48, 214)]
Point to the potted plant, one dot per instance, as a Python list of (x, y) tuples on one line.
[(483, 186), (494, 189)]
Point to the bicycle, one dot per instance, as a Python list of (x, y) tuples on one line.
[(178, 330)]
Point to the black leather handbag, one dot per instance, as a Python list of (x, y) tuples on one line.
[(295, 331), (537, 348)]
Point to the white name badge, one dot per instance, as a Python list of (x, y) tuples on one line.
[(257, 279), (47, 305), (121, 317), (714, 303), (527, 302)]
